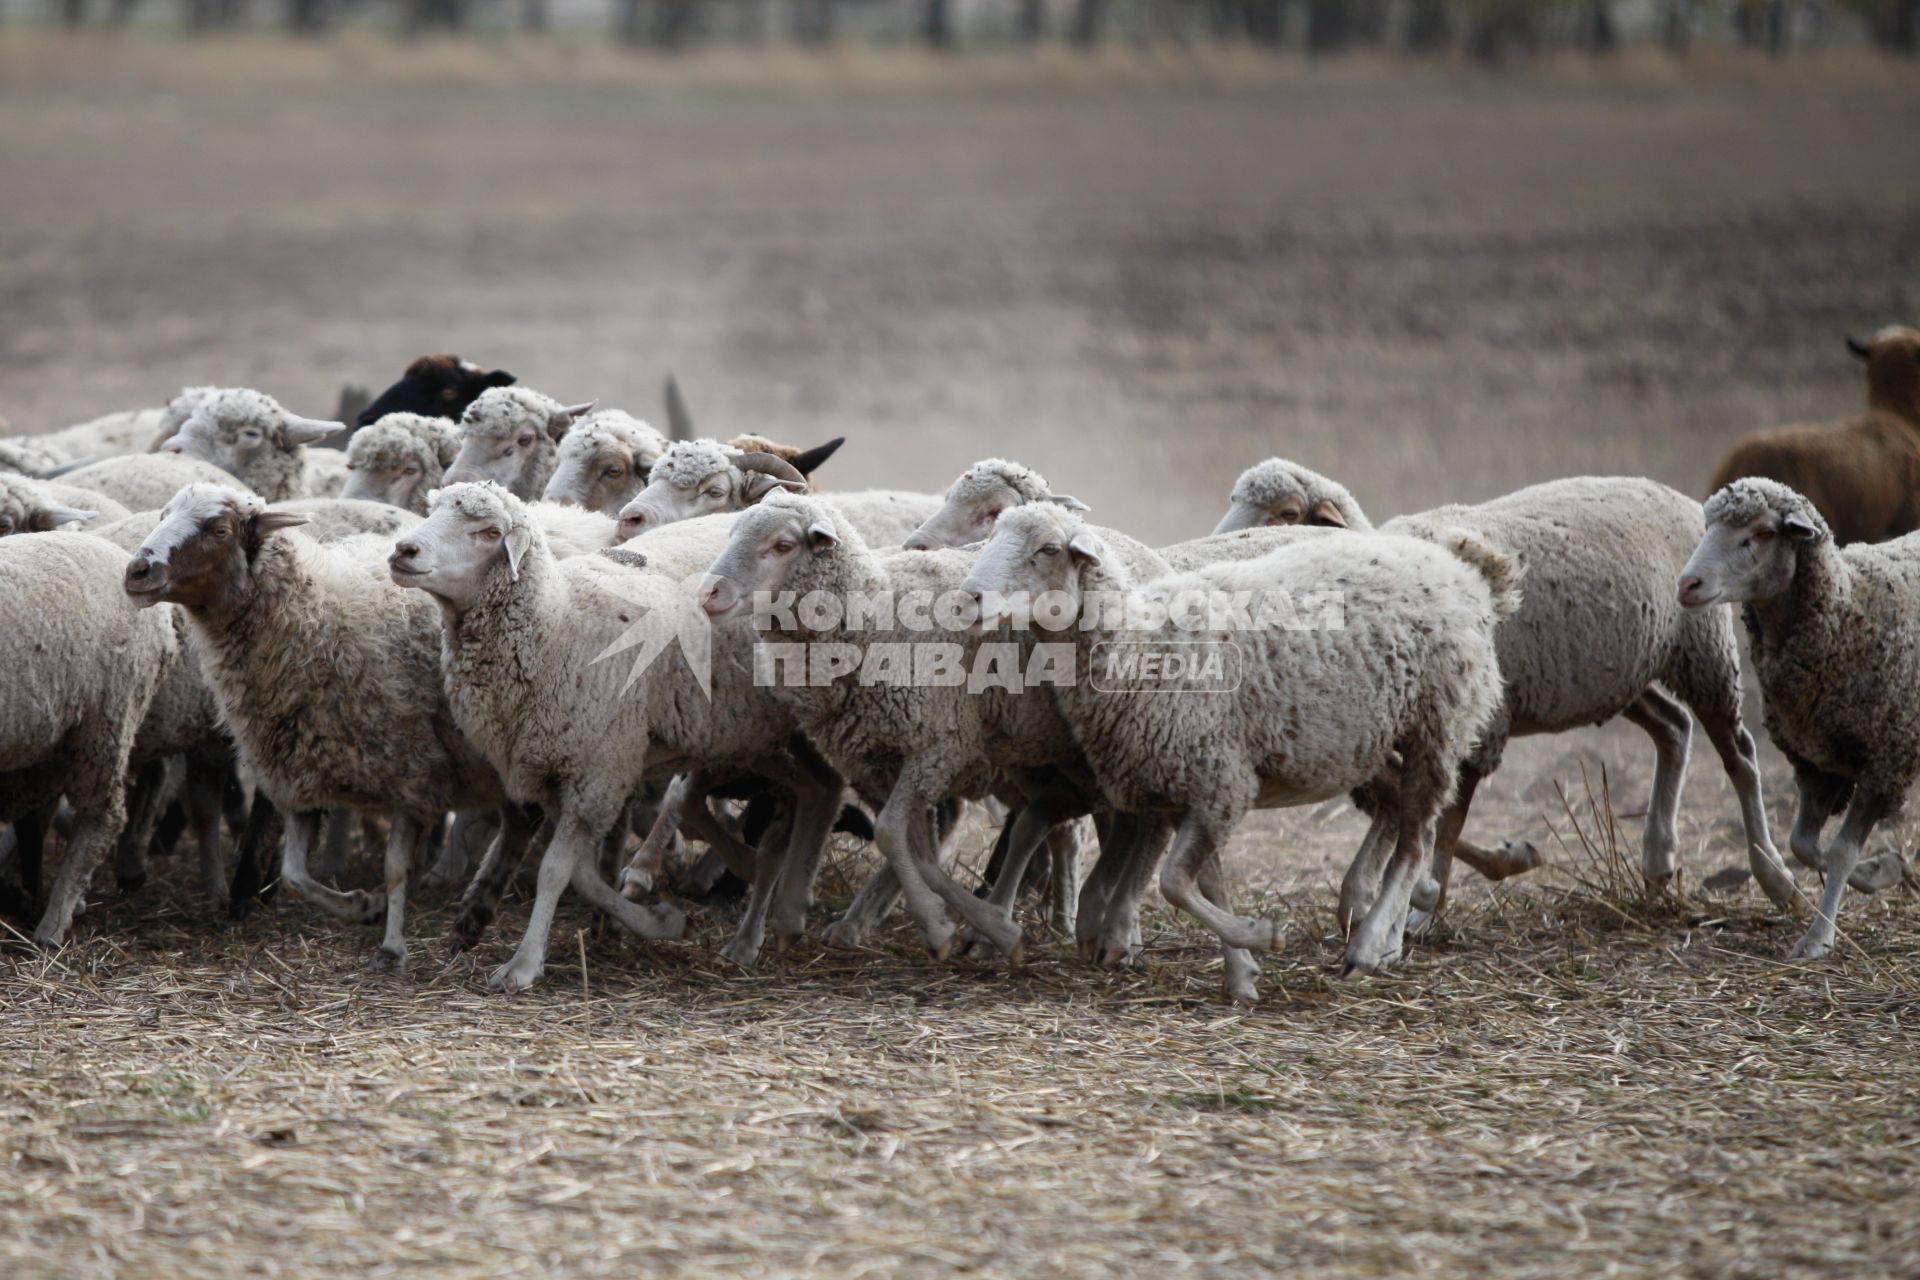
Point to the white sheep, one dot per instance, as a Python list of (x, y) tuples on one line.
[(82, 667), (973, 503), (248, 435), (145, 481), (604, 461), (1835, 633), (533, 678), (511, 436), (400, 460), (702, 477), (366, 728), (1400, 688), (1597, 636)]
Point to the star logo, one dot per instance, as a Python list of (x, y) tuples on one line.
[(665, 613)]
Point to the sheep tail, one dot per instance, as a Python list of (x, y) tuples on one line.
[(1501, 570)]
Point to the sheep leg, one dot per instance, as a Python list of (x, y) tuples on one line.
[(261, 833), (1034, 823), (29, 833), (1821, 794), (1358, 888), (404, 838), (473, 829), (743, 948), (1238, 965), (649, 861), (698, 821), (573, 842), (331, 863), (92, 833), (206, 783), (516, 827), (1865, 811), (902, 825), (303, 832), (1063, 849), (1120, 931), (1430, 893), (1741, 760), (876, 897), (1671, 728), (143, 805), (1120, 837), (1378, 940), (662, 922), (1199, 838), (818, 795)]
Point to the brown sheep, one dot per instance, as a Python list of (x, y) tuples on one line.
[(1863, 473)]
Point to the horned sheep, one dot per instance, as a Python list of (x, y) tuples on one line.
[(1833, 633), (604, 461)]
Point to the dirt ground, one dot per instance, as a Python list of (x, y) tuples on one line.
[(1139, 278)]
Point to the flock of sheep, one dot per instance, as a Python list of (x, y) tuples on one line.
[(212, 621)]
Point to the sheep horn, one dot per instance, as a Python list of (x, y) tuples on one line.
[(768, 465), (679, 421), (1859, 348)]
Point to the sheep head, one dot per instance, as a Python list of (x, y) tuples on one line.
[(604, 462), (201, 553), (510, 435), (768, 545), (436, 386), (1036, 550), (399, 459), (27, 507), (1278, 493), (1757, 530), (1893, 370), (472, 533), (240, 431), (977, 499), (702, 477)]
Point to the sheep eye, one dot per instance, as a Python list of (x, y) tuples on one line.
[(1289, 517), (490, 534), (524, 441), (353, 466), (1050, 549), (450, 394), (219, 531), (614, 473), (783, 545), (1763, 535), (411, 471), (6, 525)]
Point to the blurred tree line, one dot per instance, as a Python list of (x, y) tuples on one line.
[(1492, 31)]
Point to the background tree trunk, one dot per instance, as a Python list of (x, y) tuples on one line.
[(1089, 16), (937, 25), (1428, 28)]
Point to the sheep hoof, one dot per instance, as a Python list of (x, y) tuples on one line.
[(366, 908), (635, 885), (846, 936), (1521, 856), (1268, 932), (742, 954), (941, 951), (1018, 956), (1660, 884), (1090, 950), (1426, 894), (388, 960), (48, 939), (1241, 991), (511, 977), (1114, 957), (1882, 871), (1811, 948), (1420, 922)]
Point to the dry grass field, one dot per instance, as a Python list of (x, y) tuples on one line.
[(1140, 277)]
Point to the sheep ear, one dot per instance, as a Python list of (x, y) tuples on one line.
[(1859, 348), (1798, 528), (307, 430), (273, 521), (821, 536), (518, 539), (54, 517), (1325, 512), (498, 378), (567, 416), (804, 462), (1068, 501), (1086, 548)]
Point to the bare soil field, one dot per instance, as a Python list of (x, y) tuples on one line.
[(1140, 278)]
